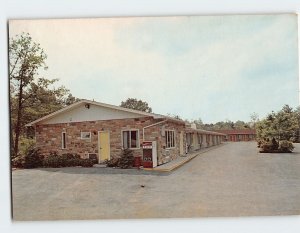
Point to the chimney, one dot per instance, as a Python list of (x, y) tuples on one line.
[(193, 126)]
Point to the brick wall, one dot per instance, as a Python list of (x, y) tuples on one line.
[(49, 137), (156, 133)]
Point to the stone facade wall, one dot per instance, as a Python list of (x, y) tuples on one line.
[(155, 133), (49, 137)]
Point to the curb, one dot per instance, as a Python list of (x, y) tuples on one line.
[(182, 162)]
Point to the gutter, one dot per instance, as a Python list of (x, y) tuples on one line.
[(148, 126)]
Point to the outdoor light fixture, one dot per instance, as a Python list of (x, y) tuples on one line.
[(87, 106)]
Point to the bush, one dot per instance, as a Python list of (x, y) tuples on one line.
[(286, 146), (33, 158), (127, 159), (25, 145), (18, 161), (114, 162), (26, 152), (87, 162), (267, 146), (67, 160)]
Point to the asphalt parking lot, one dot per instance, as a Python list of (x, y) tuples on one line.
[(232, 180)]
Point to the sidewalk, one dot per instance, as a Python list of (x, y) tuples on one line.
[(167, 167)]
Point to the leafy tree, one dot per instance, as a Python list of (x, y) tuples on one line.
[(282, 125), (174, 116), (135, 104), (30, 97), (71, 99), (199, 123), (25, 58), (241, 125), (254, 119)]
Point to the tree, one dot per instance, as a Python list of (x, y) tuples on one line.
[(174, 116), (282, 125), (71, 99), (254, 119), (25, 58), (199, 123), (135, 104), (30, 97)]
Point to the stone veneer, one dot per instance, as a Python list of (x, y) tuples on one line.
[(49, 137)]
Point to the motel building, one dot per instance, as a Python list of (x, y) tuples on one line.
[(93, 129), (238, 135)]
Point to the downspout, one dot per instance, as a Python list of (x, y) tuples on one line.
[(148, 126)]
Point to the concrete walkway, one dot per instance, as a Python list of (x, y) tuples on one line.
[(167, 167)]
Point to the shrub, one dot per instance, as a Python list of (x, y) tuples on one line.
[(67, 160), (266, 146), (273, 146), (25, 145), (23, 158), (33, 158), (286, 146), (18, 161), (88, 162), (127, 159), (114, 162)]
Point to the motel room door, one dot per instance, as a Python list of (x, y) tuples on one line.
[(103, 146), (181, 147)]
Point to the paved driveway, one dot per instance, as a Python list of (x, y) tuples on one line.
[(232, 180)]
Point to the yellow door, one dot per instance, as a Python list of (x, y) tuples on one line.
[(181, 144), (104, 146)]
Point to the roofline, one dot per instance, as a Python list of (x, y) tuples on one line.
[(67, 108), (205, 131)]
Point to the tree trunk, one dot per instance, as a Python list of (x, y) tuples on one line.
[(19, 117)]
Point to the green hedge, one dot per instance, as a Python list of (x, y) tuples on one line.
[(34, 159), (67, 160)]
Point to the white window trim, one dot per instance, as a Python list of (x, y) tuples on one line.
[(171, 130), (86, 139), (138, 140), (62, 140)]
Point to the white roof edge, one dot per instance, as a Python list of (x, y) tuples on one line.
[(156, 116)]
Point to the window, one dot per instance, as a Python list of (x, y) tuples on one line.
[(86, 135), (130, 139), (170, 138), (63, 140)]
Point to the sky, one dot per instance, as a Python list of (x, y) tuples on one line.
[(215, 68)]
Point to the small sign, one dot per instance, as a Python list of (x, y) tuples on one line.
[(147, 145)]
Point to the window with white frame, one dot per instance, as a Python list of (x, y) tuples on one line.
[(63, 140), (170, 138), (85, 135), (130, 139)]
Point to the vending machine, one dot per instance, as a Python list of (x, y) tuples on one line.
[(149, 154)]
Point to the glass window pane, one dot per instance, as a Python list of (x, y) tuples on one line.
[(125, 139), (64, 141), (173, 136), (133, 139)]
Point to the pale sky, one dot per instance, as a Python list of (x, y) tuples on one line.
[(209, 67)]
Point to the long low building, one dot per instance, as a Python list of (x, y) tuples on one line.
[(237, 135), (93, 129)]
